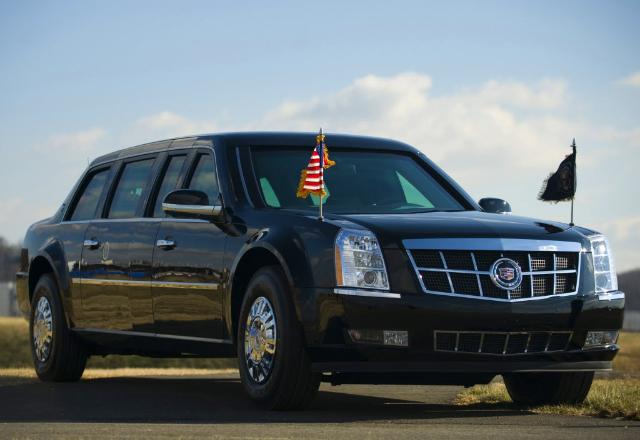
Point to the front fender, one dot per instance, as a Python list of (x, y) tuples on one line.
[(53, 252), (305, 254)]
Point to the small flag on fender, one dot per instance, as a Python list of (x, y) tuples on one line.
[(312, 177), (561, 185)]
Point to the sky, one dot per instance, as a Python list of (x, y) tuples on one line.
[(493, 92)]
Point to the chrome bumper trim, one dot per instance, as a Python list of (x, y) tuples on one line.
[(610, 296), (369, 293)]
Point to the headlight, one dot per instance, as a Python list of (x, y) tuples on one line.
[(359, 261), (603, 266)]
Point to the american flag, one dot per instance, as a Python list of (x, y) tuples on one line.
[(312, 178)]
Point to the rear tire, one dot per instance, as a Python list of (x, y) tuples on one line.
[(548, 388), (58, 356), (273, 362)]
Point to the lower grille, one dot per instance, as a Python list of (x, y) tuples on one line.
[(501, 343)]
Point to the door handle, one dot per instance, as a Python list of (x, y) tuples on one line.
[(91, 244), (166, 244)]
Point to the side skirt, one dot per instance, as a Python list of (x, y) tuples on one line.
[(153, 344)]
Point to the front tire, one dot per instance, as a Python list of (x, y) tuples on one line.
[(274, 366), (57, 354), (548, 388)]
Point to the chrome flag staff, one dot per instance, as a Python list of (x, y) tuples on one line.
[(312, 178)]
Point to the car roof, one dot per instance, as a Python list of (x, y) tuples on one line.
[(263, 139)]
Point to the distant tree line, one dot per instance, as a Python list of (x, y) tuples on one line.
[(9, 260), (629, 283)]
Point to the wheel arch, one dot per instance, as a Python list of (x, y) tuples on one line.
[(247, 263), (50, 259)]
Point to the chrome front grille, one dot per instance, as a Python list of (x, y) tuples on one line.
[(455, 267), (501, 343)]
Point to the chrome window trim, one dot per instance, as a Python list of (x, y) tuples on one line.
[(368, 293), (151, 335), (134, 283), (492, 244), (109, 162), (484, 244), (137, 219)]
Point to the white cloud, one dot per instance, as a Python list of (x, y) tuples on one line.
[(624, 228), (632, 80), (79, 142), (167, 124), (479, 121)]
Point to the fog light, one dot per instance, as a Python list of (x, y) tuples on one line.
[(397, 338), (600, 338)]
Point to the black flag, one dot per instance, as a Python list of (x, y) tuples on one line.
[(561, 185)]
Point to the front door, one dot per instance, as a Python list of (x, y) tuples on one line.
[(187, 265)]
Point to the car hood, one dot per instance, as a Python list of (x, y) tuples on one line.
[(391, 229)]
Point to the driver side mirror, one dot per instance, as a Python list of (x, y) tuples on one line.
[(189, 203), (495, 206)]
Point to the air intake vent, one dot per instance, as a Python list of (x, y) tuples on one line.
[(501, 343)]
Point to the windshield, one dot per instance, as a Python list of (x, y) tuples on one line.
[(361, 182)]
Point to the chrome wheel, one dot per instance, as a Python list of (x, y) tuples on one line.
[(42, 330), (260, 339)]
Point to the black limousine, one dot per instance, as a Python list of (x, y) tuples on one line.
[(199, 247)]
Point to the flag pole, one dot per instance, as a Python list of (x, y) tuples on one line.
[(571, 223), (575, 178), (322, 172)]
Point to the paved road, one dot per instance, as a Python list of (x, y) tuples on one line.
[(216, 408)]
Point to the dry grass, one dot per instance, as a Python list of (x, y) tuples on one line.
[(613, 397), (627, 360), (17, 376), (101, 373), (608, 398)]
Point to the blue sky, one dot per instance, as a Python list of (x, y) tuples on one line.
[(493, 91)]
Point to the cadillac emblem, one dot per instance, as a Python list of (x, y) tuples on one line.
[(506, 274)]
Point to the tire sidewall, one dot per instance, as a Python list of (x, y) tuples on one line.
[(267, 283), (47, 288)]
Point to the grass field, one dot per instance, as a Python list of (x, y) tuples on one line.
[(607, 398), (615, 396)]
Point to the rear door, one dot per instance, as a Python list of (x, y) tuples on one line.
[(188, 262), (117, 254)]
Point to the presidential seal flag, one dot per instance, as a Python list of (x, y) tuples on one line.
[(561, 185)]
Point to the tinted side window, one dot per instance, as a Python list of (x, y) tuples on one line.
[(130, 189), (88, 202), (204, 178), (169, 182)]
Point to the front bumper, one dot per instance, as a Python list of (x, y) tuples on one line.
[(327, 316)]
